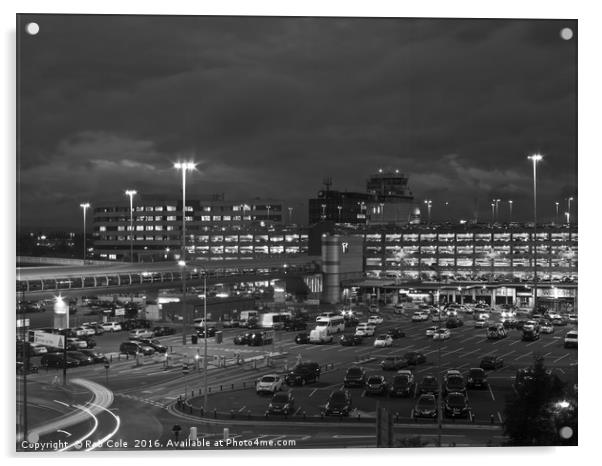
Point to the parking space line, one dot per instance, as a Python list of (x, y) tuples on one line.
[(561, 357), (507, 354), (514, 342), (241, 409), (454, 351), (491, 392), (532, 343), (523, 355), (314, 391), (471, 352), (549, 344)]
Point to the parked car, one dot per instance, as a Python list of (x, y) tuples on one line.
[(303, 373), (456, 405), (338, 404), (491, 362), (365, 329), (350, 340), (403, 384), (243, 339), (270, 383), (376, 385), (477, 378), (454, 322), (496, 331), (154, 344), (431, 331), (376, 320), (570, 339), (429, 384), (414, 358), (383, 341), (396, 333), (545, 326), (83, 358), (138, 333), (111, 326), (96, 357), (420, 316), (442, 334), (282, 403), (426, 406), (211, 331), (393, 363), (355, 377), (57, 360), (453, 381), (135, 347), (162, 331), (76, 343)]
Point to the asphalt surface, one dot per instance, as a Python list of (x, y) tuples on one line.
[(145, 390)]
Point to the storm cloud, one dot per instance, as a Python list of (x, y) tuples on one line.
[(271, 106)]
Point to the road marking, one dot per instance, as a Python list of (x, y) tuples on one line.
[(547, 354), (471, 352), (499, 416), (491, 392), (314, 391), (561, 370), (532, 343), (241, 409), (514, 342), (454, 351), (507, 354), (549, 344), (523, 355), (353, 436), (561, 357), (470, 338)]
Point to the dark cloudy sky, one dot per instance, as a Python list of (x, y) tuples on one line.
[(270, 106)]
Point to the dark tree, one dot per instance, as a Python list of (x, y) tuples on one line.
[(540, 408)]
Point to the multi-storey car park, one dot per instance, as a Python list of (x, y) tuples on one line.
[(215, 229)]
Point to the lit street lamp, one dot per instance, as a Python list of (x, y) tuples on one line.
[(556, 218), (340, 208), (428, 203), (85, 206), (290, 215), (492, 213), (568, 217), (268, 207), (535, 158), (184, 166), (510, 211), (131, 193)]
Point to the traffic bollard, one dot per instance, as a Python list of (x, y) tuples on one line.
[(492, 418)]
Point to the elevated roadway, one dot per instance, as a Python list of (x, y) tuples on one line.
[(39, 282)]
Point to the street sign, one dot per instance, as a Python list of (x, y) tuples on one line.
[(49, 339), (120, 311)]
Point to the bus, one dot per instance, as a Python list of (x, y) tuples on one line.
[(273, 320), (333, 324)]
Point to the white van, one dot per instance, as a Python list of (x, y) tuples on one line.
[(320, 335), (273, 320), (365, 329), (334, 324)]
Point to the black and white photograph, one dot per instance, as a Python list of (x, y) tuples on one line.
[(295, 232)]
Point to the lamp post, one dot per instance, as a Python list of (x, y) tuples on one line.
[(339, 209), (428, 203), (184, 166), (556, 217), (568, 217), (290, 215), (131, 193), (510, 211), (205, 345), (382, 212), (497, 209), (268, 207), (535, 158), (492, 213), (85, 206), (323, 211)]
